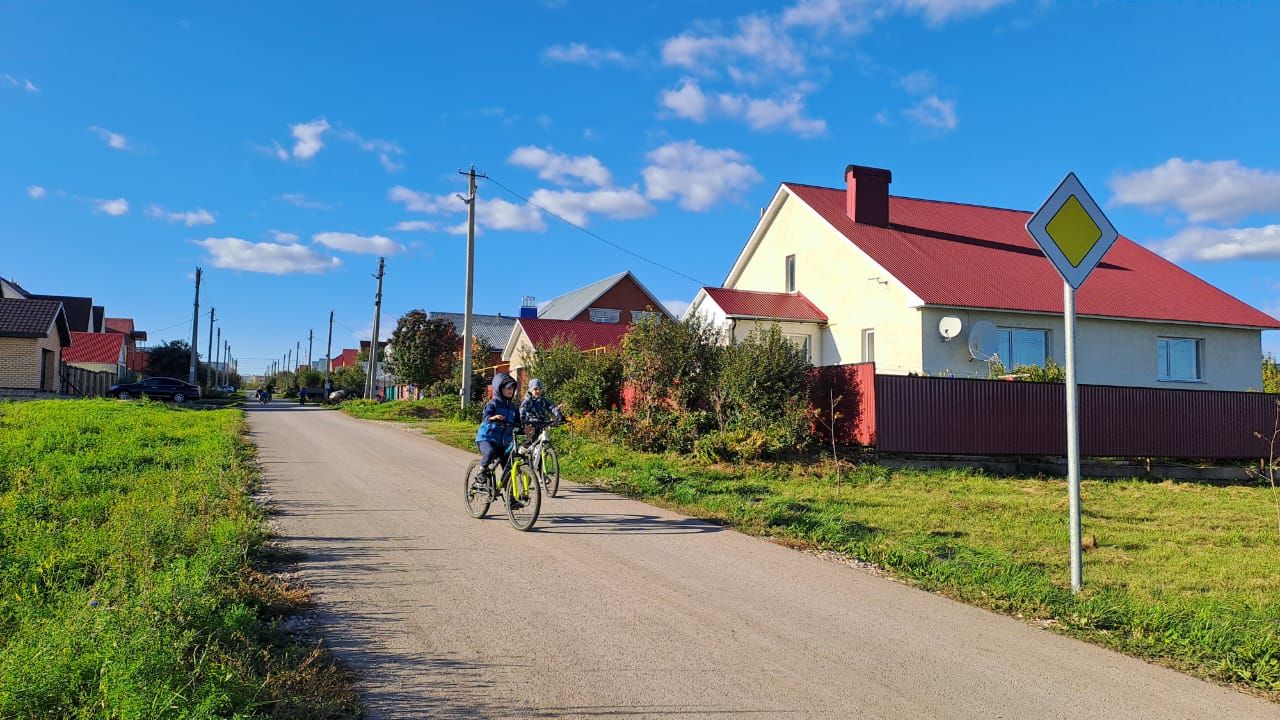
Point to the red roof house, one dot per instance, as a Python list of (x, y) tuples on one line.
[(895, 276), (533, 334), (347, 358), (98, 352)]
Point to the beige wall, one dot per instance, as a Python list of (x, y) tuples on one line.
[(712, 314), (112, 368), (1108, 352), (522, 352), (843, 282), (20, 360)]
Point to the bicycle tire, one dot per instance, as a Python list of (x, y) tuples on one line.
[(523, 518), (477, 502), (550, 470)]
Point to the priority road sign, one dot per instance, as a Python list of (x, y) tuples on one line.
[(1072, 231)]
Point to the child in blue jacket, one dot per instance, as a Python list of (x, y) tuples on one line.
[(499, 421)]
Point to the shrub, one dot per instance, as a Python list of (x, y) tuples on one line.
[(671, 364), (731, 445), (581, 382), (761, 378)]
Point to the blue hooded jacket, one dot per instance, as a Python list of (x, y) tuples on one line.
[(499, 433)]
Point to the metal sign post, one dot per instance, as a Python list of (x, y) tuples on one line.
[(1074, 234)]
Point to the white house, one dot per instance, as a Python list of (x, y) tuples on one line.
[(881, 273)]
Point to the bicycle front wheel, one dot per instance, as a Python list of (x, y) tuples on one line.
[(550, 466), (523, 495), (476, 491)]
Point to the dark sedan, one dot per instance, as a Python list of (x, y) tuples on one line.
[(158, 388)]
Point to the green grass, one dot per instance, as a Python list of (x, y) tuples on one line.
[(128, 578), (1181, 573)]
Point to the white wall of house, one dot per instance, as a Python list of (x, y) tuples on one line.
[(854, 292), (739, 329), (1108, 351), (521, 353)]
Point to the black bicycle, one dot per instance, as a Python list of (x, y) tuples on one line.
[(518, 487)]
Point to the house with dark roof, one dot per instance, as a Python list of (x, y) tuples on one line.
[(903, 282), (33, 334)]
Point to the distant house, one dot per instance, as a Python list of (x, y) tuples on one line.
[(863, 276), (346, 358), (33, 334), (97, 352), (493, 330), (534, 334), (125, 327), (616, 299), (80, 311)]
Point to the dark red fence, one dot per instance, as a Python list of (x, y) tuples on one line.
[(953, 416), (846, 392)]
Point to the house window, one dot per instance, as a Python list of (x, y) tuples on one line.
[(1178, 359), (869, 345), (639, 315), (802, 342), (1022, 346), (604, 315), (791, 273)]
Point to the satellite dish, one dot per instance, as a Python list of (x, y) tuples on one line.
[(949, 327), (982, 341)]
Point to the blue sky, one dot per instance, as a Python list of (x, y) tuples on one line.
[(283, 147)]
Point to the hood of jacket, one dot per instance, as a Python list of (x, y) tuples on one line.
[(499, 380)]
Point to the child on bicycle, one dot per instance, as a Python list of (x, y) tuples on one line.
[(537, 409), (499, 421)]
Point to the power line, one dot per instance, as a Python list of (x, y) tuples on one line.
[(610, 243)]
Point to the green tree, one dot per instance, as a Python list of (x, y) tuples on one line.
[(423, 351), (309, 378), (671, 364), (350, 378), (173, 360), (1270, 374), (763, 378)]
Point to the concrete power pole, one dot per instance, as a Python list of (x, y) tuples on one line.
[(310, 339), (373, 343), (208, 348), (215, 376), (195, 332), (226, 363), (470, 200), (297, 354), (328, 354)]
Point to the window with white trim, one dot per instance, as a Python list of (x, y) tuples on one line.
[(1178, 359), (1022, 346), (604, 315), (641, 315), (791, 273), (802, 342), (869, 345)]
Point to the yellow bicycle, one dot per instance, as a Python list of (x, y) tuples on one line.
[(518, 487)]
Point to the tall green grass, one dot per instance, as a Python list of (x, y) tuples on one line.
[(127, 540)]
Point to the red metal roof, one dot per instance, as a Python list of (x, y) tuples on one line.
[(582, 334), (120, 325), (89, 347), (769, 305), (958, 255)]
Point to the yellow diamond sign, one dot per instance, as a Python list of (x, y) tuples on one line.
[(1072, 231)]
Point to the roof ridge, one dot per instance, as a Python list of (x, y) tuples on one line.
[(920, 199)]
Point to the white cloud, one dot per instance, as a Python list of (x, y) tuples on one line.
[(1223, 190), (115, 141), (558, 168), (308, 138), (756, 38), (918, 82), (696, 176), (23, 83), (350, 242), (191, 218), (580, 54), (284, 237), (35, 192), (276, 259), (676, 307), (491, 213), (1213, 244), (302, 201), (415, 226), (116, 207), (847, 16), (935, 113), (386, 150), (615, 203), (939, 12), (690, 102)]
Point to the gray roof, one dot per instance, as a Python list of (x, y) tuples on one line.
[(32, 319), (570, 305), (494, 330)]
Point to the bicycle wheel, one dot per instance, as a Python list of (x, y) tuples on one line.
[(550, 470), (524, 491), (475, 491)]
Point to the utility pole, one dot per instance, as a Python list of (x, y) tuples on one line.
[(373, 343), (215, 377), (310, 339), (195, 331), (297, 354), (226, 363), (470, 200), (288, 362), (328, 355)]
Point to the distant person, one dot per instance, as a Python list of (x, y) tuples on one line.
[(302, 396)]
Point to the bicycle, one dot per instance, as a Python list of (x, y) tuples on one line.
[(543, 458), (518, 487)]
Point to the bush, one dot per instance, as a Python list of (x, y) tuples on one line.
[(581, 382), (731, 445), (661, 429), (350, 378), (671, 364), (762, 377)]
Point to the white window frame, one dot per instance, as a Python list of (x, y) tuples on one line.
[(802, 341), (604, 315), (639, 315), (790, 281), (1164, 359), (1012, 331), (869, 345)]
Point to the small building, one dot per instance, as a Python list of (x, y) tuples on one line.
[(740, 312), (902, 282), (534, 334), (346, 358), (616, 299), (97, 352), (493, 330), (33, 334)]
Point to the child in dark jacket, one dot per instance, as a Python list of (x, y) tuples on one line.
[(499, 421), (537, 408)]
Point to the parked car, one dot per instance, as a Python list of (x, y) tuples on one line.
[(159, 388), (228, 389)]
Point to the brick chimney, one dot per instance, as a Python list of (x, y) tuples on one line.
[(867, 194)]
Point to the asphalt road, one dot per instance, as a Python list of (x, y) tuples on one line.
[(612, 608)]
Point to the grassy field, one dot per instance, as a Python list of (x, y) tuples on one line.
[(130, 572), (1181, 573)]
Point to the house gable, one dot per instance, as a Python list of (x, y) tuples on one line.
[(621, 292)]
